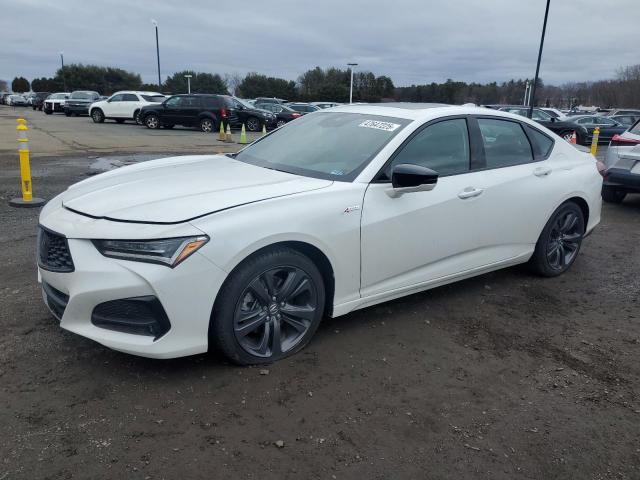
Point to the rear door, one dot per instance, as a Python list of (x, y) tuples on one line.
[(519, 180), (130, 103)]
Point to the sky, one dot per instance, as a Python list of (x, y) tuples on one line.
[(411, 41)]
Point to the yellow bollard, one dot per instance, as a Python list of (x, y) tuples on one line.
[(243, 136), (594, 141), (27, 199)]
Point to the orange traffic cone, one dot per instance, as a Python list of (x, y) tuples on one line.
[(574, 138)]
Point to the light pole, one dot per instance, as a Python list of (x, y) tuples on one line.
[(188, 77), (155, 24), (535, 80), (64, 81), (351, 65)]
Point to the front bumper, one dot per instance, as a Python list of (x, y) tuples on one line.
[(186, 294), (53, 106)]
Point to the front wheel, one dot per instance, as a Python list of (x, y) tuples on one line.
[(559, 242), (97, 116), (268, 308), (253, 124), (280, 123), (612, 195)]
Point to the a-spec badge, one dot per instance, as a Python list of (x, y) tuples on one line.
[(351, 209)]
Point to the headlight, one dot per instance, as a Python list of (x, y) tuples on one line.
[(165, 251)]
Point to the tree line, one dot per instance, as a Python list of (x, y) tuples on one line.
[(332, 84)]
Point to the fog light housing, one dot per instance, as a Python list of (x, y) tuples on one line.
[(136, 315)]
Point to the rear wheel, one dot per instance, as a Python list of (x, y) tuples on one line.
[(567, 134), (269, 307), (97, 115), (207, 125), (152, 121), (253, 124), (612, 195), (280, 123), (559, 242)]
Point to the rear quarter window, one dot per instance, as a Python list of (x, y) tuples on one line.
[(635, 129)]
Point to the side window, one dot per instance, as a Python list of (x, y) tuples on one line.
[(543, 142), (443, 147), (173, 102), (189, 102), (129, 97), (585, 121), (505, 143), (605, 121), (116, 98), (540, 116)]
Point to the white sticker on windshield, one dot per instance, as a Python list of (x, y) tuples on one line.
[(386, 126)]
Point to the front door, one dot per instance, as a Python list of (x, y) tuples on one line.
[(424, 236)]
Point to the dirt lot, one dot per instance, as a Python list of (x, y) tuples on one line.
[(505, 376)]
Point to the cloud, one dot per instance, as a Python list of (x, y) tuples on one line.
[(412, 41)]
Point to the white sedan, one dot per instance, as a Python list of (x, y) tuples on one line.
[(124, 105), (339, 210)]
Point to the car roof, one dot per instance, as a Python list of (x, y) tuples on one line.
[(140, 92), (419, 111)]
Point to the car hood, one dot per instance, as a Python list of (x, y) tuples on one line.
[(178, 189)]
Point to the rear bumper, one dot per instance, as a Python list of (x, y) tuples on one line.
[(622, 179)]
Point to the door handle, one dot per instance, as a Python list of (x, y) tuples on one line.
[(542, 171), (470, 192)]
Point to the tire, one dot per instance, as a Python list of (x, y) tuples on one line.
[(97, 115), (566, 135), (560, 241), (207, 125), (119, 120), (612, 195), (280, 123), (68, 114), (253, 124), (136, 117), (280, 293), (152, 121), (48, 112)]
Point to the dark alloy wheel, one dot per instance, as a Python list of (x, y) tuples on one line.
[(97, 116), (612, 195), (207, 125), (269, 308), (152, 121), (253, 124), (560, 241)]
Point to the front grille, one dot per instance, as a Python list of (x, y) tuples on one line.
[(53, 252), (55, 300)]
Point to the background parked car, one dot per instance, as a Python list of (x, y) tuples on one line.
[(79, 101), (622, 165), (55, 102), (325, 104), (205, 111), (623, 111), (124, 105), (608, 127), (38, 100), (626, 120), (303, 108), (3, 98), (554, 112), (16, 100), (283, 113), (269, 100), (563, 128)]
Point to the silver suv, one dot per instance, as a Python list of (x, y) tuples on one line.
[(623, 165)]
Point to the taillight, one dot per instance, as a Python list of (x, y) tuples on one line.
[(602, 168), (618, 141), (223, 113), (296, 115)]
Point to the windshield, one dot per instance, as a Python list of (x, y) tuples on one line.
[(244, 103), (335, 146), (83, 95), (57, 96), (154, 98)]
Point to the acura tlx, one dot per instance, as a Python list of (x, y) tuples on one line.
[(341, 209)]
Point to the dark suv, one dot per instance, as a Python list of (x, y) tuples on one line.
[(205, 112), (79, 101), (38, 100)]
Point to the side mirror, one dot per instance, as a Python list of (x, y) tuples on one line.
[(407, 178), (553, 119)]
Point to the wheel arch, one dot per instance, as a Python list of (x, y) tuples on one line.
[(313, 252), (584, 206)]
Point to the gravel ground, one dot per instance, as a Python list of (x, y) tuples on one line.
[(504, 376)]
